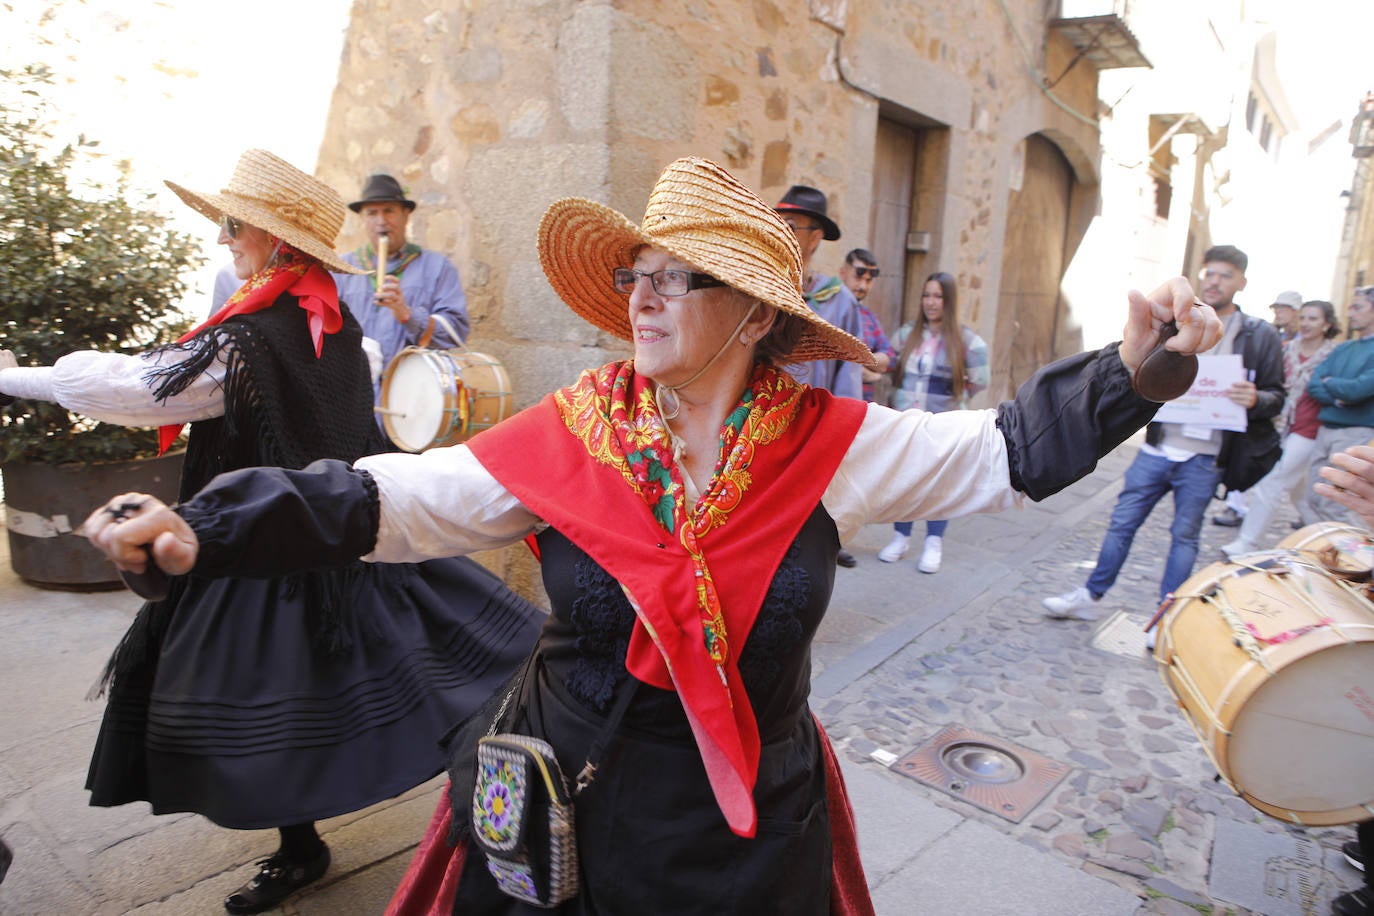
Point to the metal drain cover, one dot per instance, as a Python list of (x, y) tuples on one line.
[(993, 774), (1123, 634)]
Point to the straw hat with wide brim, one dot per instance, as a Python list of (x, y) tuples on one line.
[(278, 198), (701, 214)]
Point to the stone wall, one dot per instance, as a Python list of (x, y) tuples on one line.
[(488, 111)]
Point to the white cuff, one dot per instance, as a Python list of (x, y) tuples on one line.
[(35, 382)]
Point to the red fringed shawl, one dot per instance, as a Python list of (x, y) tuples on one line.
[(591, 460)]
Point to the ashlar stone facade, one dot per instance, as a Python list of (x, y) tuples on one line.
[(489, 111), (949, 135)]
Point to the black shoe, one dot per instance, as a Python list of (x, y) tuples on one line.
[(1359, 902), (846, 559), (1353, 853), (1227, 518), (277, 879)]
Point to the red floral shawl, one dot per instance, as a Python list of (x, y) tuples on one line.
[(609, 508)]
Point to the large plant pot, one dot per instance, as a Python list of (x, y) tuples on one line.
[(44, 502)]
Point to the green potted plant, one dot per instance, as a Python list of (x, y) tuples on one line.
[(87, 266)]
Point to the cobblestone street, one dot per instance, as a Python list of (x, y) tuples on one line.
[(1139, 804), (1133, 824)]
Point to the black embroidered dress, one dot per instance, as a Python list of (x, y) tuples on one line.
[(271, 701)]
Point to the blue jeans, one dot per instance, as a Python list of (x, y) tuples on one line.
[(933, 528), (1147, 480)]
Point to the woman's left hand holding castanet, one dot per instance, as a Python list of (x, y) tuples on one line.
[(1199, 328), (132, 525)]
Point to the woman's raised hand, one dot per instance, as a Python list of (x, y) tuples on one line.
[(1199, 328), (129, 526)]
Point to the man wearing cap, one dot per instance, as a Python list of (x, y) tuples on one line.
[(859, 270), (1285, 308), (419, 284), (804, 209)]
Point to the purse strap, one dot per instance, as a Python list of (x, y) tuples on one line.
[(603, 737)]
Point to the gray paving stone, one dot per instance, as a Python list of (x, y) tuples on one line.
[(1088, 761), (1121, 758), (1035, 883), (1175, 892), (1147, 817)]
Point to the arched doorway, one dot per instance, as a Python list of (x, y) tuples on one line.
[(1029, 305)]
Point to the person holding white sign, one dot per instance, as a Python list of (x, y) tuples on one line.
[(1192, 458)]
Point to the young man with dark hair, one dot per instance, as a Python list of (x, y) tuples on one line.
[(1185, 459)]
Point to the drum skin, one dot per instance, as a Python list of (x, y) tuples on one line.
[(433, 398), (1271, 657)]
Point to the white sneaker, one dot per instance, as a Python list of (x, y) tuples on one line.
[(931, 555), (1236, 548), (896, 548), (1150, 639), (1074, 605)]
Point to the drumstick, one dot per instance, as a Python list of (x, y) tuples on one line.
[(381, 260)]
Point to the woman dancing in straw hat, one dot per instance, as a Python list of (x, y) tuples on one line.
[(689, 504), (274, 702)]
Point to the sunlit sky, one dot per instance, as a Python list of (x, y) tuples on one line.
[(180, 88)]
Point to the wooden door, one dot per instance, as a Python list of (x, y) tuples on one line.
[(1028, 306), (894, 168)]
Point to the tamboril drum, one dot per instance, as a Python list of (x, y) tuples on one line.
[(442, 397), (1271, 657)]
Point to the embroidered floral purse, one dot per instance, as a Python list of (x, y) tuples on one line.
[(522, 811), (522, 819)]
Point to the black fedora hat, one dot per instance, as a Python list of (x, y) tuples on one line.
[(381, 189), (802, 199)]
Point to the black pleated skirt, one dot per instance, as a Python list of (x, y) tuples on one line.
[(245, 713)]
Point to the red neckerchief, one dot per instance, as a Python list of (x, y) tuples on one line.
[(766, 487), (300, 276)]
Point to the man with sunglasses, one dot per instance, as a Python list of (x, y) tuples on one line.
[(859, 270), (804, 209), (420, 284)]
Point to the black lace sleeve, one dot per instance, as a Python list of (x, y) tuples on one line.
[(1067, 416), (265, 522)]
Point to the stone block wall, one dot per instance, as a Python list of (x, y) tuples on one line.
[(488, 111)]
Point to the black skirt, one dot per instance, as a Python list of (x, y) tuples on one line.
[(246, 714), (650, 836)]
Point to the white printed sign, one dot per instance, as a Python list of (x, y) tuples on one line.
[(1205, 405)]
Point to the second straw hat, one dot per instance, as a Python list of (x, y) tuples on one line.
[(701, 214), (272, 194)]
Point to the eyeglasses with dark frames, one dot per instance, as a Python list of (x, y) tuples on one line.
[(231, 226), (799, 227), (862, 272), (668, 282)]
